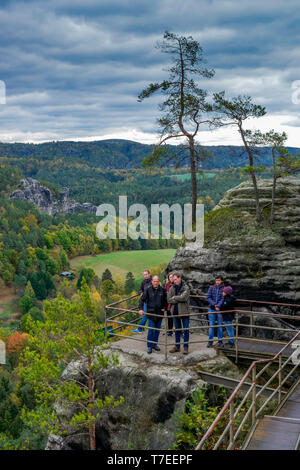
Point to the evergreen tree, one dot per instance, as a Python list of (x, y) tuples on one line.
[(184, 107), (29, 290), (88, 274), (235, 112), (129, 283), (70, 333), (107, 275)]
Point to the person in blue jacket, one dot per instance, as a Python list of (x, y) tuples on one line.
[(215, 300), (228, 316)]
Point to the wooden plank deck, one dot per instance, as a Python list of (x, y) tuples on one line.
[(291, 407), (275, 433), (280, 432)]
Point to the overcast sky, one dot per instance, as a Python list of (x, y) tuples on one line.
[(73, 69)]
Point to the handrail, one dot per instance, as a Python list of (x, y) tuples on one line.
[(120, 311), (235, 392), (203, 296)]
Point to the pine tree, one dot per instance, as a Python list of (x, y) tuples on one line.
[(29, 292), (129, 283), (107, 275), (70, 333)]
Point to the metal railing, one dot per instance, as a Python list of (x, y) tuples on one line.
[(242, 410), (239, 421), (129, 317)]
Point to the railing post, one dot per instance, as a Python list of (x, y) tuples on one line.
[(279, 379), (254, 394), (166, 337), (105, 322), (251, 320), (231, 430), (236, 339)]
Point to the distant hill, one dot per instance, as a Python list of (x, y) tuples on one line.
[(118, 154)]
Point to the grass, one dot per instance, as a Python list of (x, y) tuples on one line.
[(121, 262)]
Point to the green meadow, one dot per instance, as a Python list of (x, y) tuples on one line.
[(121, 262)]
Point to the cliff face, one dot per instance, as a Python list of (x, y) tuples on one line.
[(33, 191), (258, 260)]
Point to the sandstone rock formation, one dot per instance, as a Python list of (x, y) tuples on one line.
[(153, 395), (33, 191), (259, 261)]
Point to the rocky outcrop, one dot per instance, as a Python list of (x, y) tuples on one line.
[(260, 262), (153, 395), (33, 191)]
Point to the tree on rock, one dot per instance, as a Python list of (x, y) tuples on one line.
[(184, 106), (71, 335), (283, 162), (235, 112)]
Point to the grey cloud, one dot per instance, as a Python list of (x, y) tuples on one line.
[(74, 68)]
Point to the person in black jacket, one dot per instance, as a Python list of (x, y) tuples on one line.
[(155, 297), (228, 304)]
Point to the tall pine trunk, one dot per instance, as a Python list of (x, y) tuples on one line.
[(273, 188), (252, 174), (92, 425), (193, 180)]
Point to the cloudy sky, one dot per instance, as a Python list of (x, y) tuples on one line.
[(73, 69)]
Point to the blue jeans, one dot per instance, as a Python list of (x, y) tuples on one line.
[(153, 334), (144, 318), (230, 330), (181, 322), (213, 318)]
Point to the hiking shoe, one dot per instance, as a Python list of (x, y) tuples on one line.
[(156, 348), (231, 345), (174, 350), (209, 344), (185, 351), (149, 350)]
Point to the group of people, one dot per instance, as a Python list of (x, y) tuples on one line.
[(174, 299)]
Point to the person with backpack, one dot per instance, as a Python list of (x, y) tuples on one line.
[(227, 305), (215, 301)]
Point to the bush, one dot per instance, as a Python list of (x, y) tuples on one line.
[(26, 303), (194, 422)]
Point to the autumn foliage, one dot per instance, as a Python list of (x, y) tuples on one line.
[(14, 345)]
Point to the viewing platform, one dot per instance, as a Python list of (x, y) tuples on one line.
[(263, 411)]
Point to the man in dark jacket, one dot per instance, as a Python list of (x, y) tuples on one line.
[(155, 297), (168, 286), (215, 300), (179, 299), (144, 285), (228, 304)]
